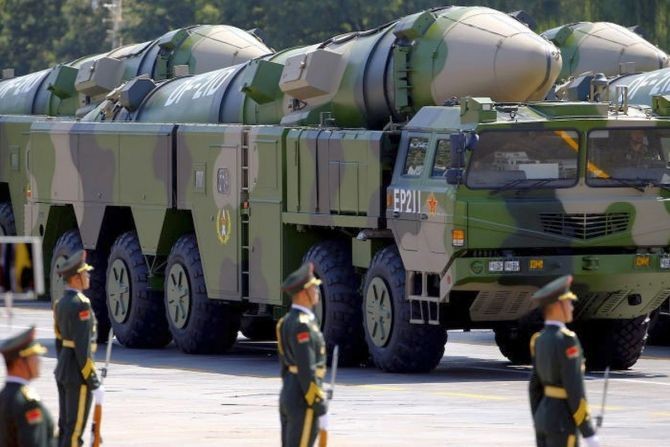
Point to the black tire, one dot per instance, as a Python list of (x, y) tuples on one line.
[(513, 340), (340, 304), (614, 343), (258, 328), (410, 348), (68, 243), (7, 224), (206, 326), (659, 328), (136, 312)]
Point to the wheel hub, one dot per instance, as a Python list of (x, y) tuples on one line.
[(378, 312), (118, 291), (178, 296)]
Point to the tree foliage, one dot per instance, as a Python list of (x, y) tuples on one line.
[(36, 33)]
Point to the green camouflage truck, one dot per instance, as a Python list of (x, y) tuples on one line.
[(66, 90), (450, 220), (410, 232), (73, 89)]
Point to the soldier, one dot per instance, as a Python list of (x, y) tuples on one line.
[(557, 395), (302, 353), (24, 421), (75, 327)]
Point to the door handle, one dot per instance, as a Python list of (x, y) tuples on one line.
[(396, 214), (423, 216)]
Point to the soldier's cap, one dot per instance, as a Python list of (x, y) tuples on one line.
[(22, 345), (556, 290), (75, 263), (303, 278)]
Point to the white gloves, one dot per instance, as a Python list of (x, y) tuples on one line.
[(99, 395), (323, 422), (592, 441)]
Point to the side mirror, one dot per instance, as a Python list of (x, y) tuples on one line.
[(460, 142), (454, 176)]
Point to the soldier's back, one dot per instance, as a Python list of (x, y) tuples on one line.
[(24, 421)]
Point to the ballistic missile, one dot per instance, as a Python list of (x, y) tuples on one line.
[(603, 47), (81, 84), (363, 78)]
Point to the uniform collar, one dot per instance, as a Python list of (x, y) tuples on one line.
[(560, 324), (303, 309), (73, 289), (19, 380)]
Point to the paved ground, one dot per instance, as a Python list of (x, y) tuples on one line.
[(474, 398)]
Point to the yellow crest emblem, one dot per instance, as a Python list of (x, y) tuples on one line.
[(223, 226)]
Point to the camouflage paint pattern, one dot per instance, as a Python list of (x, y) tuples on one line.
[(362, 79), (508, 225), (52, 92), (257, 197), (602, 47), (642, 86)]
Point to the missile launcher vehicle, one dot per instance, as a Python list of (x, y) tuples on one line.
[(75, 88), (195, 197)]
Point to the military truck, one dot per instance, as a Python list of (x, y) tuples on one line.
[(449, 220), (73, 89)]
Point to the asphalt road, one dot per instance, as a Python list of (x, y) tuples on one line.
[(474, 398)]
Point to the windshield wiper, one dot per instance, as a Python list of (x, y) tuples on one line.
[(535, 184), (509, 185), (527, 184), (630, 183)]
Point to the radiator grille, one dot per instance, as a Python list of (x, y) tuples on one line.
[(584, 225)]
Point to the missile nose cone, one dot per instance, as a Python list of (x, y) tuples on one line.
[(526, 66), (491, 54), (645, 56)]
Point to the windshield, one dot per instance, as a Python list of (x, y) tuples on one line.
[(629, 156), (523, 159)]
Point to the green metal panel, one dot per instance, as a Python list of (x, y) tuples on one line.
[(149, 157), (208, 185), (293, 170), (265, 270), (148, 222)]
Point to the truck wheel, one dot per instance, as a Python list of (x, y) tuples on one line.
[(7, 224), (198, 324), (514, 343), (258, 328), (614, 343), (135, 311), (514, 340), (68, 243), (659, 327), (339, 309), (396, 345)]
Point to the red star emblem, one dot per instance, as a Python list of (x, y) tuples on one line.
[(431, 203)]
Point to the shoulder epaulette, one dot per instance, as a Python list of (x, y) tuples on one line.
[(304, 318), (30, 394), (533, 339), (82, 298), (567, 332)]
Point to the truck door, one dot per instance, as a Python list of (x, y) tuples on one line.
[(404, 196), (437, 209)]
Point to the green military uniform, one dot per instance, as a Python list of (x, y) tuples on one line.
[(75, 327), (302, 353), (24, 420), (557, 396)]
